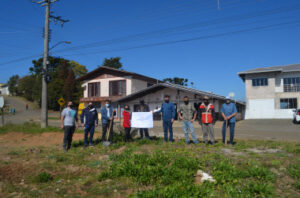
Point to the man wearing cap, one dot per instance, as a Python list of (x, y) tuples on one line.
[(187, 113), (143, 108), (229, 112), (207, 119)]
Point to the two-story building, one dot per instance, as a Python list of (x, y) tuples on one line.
[(272, 92), (108, 83)]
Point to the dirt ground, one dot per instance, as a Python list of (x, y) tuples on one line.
[(14, 139)]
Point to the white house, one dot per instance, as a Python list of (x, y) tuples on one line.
[(272, 92), (4, 89)]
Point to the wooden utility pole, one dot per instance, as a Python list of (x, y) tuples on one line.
[(45, 79)]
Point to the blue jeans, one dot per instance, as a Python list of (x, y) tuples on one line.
[(231, 127), (145, 130), (188, 126), (167, 125), (89, 129)]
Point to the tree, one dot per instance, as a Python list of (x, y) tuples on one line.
[(69, 86), (12, 84), (177, 80), (79, 70), (113, 62)]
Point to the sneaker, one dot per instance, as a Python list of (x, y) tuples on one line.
[(91, 145)]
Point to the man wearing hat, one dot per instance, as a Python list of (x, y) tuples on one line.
[(207, 119), (229, 112)]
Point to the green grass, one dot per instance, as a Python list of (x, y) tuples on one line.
[(146, 168), (27, 127)]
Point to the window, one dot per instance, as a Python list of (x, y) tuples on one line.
[(94, 89), (117, 88), (291, 84), (259, 82), (288, 103)]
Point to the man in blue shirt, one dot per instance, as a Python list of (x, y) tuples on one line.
[(68, 123), (168, 116), (229, 112), (89, 118), (107, 118)]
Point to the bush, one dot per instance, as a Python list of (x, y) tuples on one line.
[(43, 177)]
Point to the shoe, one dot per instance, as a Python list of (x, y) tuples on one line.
[(65, 149), (91, 145)]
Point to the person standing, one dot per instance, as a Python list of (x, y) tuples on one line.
[(168, 115), (207, 119), (229, 113), (187, 113), (68, 123), (26, 107), (107, 118), (89, 119), (126, 123), (143, 108)]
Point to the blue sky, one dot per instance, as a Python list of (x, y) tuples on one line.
[(159, 38)]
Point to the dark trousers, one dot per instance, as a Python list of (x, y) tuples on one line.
[(89, 129), (168, 126), (68, 135), (105, 127), (231, 128), (127, 134), (144, 130)]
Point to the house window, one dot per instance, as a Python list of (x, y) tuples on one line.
[(94, 89), (256, 82), (117, 88), (291, 84), (288, 103)]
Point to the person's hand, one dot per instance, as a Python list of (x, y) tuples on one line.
[(172, 120), (225, 119), (62, 126), (82, 124), (110, 118), (192, 120), (96, 125), (76, 125)]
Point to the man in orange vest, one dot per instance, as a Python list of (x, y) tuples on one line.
[(207, 119)]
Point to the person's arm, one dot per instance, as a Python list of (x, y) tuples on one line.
[(76, 120), (179, 113), (194, 114), (82, 116), (96, 118), (222, 113), (62, 117), (199, 115), (173, 113), (234, 112)]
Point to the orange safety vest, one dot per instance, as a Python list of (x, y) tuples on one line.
[(206, 116)]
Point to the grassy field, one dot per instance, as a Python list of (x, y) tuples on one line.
[(152, 168)]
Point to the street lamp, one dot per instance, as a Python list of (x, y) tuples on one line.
[(60, 42)]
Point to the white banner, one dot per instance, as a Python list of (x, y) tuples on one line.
[(142, 120)]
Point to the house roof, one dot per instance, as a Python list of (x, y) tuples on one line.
[(279, 69), (109, 70), (161, 86)]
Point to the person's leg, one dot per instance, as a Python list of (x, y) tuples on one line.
[(185, 129), (141, 133), (104, 129), (170, 126), (165, 126), (224, 132), (65, 140), (147, 133), (231, 125), (86, 133), (211, 133), (70, 137), (191, 128), (92, 130), (205, 132), (127, 134)]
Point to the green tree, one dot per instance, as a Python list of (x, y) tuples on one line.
[(69, 86), (177, 80), (79, 70), (12, 84), (113, 62)]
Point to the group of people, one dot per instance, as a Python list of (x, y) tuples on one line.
[(187, 113)]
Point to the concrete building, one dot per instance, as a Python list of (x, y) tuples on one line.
[(108, 83), (4, 89), (153, 96), (272, 92)]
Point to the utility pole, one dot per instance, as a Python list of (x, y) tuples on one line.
[(45, 79)]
